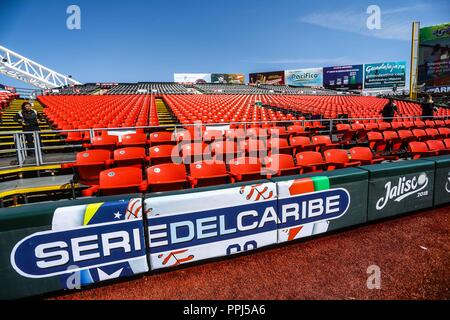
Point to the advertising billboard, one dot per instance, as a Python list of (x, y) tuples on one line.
[(311, 77), (237, 78), (192, 77), (274, 77), (343, 77), (384, 75), (434, 58)]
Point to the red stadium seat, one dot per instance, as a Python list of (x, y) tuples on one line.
[(280, 165), (89, 164), (118, 181), (278, 132), (192, 152), (437, 145), (376, 142), (245, 169), (279, 146), (301, 144), (166, 177), (130, 157), (135, 140), (212, 135), (323, 143), (208, 173), (338, 158), (105, 142), (254, 147), (365, 156), (432, 133), (164, 154), (297, 130), (444, 132), (347, 134), (162, 137), (419, 149), (420, 134), (222, 150), (311, 161)]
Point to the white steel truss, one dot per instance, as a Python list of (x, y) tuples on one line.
[(18, 67)]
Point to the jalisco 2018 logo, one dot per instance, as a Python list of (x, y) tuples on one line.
[(49, 253), (404, 189)]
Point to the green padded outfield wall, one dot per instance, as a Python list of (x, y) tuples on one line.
[(23, 227), (441, 179), (399, 187)]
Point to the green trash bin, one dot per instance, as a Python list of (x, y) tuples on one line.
[(399, 187), (351, 184), (441, 179)]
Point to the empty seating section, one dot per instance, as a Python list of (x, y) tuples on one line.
[(83, 112), (223, 109), (197, 157), (274, 141)]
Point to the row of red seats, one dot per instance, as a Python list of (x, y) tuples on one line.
[(96, 111), (418, 149), (93, 168)]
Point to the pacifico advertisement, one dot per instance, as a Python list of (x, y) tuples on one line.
[(384, 75), (343, 77), (434, 58), (311, 77)]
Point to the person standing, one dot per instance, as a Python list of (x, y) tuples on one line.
[(428, 108), (29, 119), (389, 110)]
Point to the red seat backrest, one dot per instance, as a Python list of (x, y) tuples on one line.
[(166, 173), (336, 155), (129, 153), (244, 165), (361, 153), (309, 157), (202, 169), (93, 156), (120, 177)]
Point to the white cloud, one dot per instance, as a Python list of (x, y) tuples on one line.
[(395, 22)]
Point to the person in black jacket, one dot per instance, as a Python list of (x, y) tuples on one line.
[(428, 108), (29, 119), (389, 110)]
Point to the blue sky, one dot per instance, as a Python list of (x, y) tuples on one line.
[(149, 40)]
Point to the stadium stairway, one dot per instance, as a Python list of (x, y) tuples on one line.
[(165, 116)]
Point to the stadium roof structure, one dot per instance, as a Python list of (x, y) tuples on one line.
[(21, 68)]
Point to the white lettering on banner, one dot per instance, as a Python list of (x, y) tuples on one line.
[(108, 246), (403, 189), (78, 249), (201, 228), (173, 231), (240, 217), (158, 235), (40, 253)]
